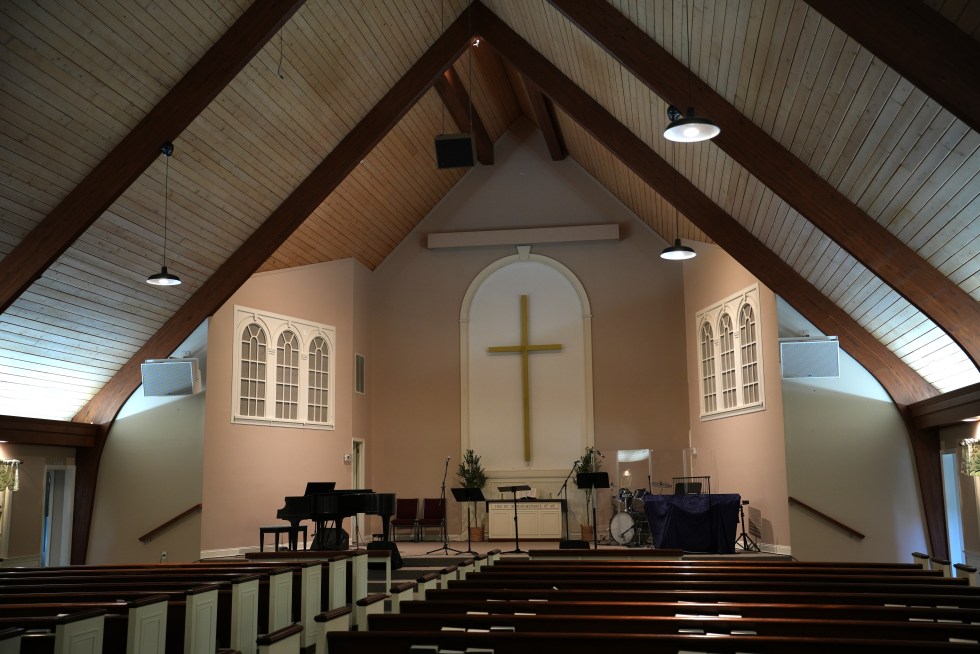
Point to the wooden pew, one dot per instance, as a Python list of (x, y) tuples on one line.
[(894, 597), (134, 626), (779, 610), (78, 632), (637, 553), (668, 624), (403, 642), (624, 573)]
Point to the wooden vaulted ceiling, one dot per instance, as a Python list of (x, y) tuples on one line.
[(844, 178)]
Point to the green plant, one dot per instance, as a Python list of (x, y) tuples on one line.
[(470, 473)]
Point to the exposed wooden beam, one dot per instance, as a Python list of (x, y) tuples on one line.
[(141, 147), (457, 100), (902, 383), (544, 116), (947, 409), (920, 44), (35, 431), (928, 469), (949, 306), (320, 183)]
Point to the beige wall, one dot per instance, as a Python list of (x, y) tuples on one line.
[(848, 456), (638, 327), (250, 469), (744, 454)]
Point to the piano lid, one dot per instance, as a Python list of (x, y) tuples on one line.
[(318, 487)]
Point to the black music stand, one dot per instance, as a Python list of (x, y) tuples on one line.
[(593, 480), (517, 539), (468, 495)]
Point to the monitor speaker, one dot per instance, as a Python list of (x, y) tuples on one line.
[(396, 558), (809, 358), (165, 377), (454, 151)]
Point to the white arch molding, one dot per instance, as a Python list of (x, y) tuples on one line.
[(524, 255)]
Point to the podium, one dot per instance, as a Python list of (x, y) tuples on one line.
[(468, 495), (517, 538), (593, 480)]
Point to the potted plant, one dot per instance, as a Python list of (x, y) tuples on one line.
[(470, 474), (590, 461)]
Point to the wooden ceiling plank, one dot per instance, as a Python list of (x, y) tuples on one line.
[(866, 240), (141, 147), (459, 103), (919, 44)]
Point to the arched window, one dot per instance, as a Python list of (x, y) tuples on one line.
[(726, 340), (749, 350), (286, 371), (318, 398), (730, 353), (251, 375), (709, 399), (287, 376)]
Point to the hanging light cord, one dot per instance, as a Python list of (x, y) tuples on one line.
[(166, 205)]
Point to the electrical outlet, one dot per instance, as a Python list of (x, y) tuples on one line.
[(163, 556)]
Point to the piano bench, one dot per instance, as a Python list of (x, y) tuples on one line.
[(281, 529)]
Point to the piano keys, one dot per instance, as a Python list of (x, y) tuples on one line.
[(322, 504)]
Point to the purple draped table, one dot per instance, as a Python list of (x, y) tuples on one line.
[(693, 523)]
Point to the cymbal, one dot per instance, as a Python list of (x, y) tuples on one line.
[(661, 484)]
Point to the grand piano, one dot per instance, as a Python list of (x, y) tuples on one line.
[(322, 504)]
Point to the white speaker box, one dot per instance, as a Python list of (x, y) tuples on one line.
[(163, 377), (809, 358)]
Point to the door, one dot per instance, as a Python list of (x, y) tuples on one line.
[(954, 516), (59, 493), (357, 481)]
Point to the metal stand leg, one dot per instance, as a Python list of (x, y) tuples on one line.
[(745, 541)]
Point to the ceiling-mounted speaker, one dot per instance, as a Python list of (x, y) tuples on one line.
[(813, 357), (166, 377), (454, 151)]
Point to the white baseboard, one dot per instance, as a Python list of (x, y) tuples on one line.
[(227, 552), (32, 561), (784, 550)]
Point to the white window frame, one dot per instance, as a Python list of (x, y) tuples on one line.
[(305, 331), (713, 316)]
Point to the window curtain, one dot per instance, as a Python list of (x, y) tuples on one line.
[(9, 475)]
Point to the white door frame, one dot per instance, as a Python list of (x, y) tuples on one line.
[(358, 448)]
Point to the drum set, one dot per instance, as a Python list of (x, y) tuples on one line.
[(628, 525)]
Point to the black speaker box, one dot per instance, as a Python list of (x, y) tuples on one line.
[(396, 558), (574, 545), (454, 151), (330, 541)]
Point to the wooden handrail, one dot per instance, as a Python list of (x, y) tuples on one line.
[(153, 532), (840, 525)]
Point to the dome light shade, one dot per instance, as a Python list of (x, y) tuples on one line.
[(689, 128), (163, 278), (678, 252)]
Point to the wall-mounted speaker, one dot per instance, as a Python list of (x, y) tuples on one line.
[(454, 151), (163, 377), (814, 357)]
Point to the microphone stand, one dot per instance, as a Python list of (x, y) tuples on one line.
[(442, 504), (564, 489)]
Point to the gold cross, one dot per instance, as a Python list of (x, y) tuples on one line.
[(524, 349)]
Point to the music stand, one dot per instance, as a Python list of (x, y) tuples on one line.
[(468, 495), (593, 480), (517, 539)]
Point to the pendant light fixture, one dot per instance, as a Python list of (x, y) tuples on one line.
[(690, 128), (677, 252), (165, 278)]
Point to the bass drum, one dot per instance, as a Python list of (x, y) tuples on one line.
[(622, 528)]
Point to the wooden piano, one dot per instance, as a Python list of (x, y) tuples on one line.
[(322, 504)]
